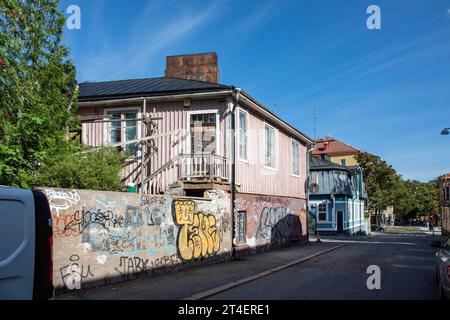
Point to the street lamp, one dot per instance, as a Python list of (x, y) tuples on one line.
[(445, 132)]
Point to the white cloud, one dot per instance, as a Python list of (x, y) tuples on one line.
[(448, 12)]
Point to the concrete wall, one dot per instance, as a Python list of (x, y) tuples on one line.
[(105, 237), (272, 221)]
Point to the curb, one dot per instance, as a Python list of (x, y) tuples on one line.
[(213, 291)]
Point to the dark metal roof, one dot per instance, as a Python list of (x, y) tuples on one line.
[(335, 179), (321, 164), (138, 87), (333, 182)]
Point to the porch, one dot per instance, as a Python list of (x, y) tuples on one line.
[(189, 172)]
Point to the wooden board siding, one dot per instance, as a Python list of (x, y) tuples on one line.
[(254, 178), (174, 120)]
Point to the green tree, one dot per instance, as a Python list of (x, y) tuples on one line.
[(87, 169), (380, 181), (415, 199), (38, 93)]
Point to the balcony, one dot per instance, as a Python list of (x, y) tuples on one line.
[(198, 171), (202, 167)]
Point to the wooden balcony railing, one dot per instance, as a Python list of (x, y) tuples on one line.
[(202, 166)]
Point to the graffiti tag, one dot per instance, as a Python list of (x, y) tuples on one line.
[(131, 265), (275, 224), (198, 235), (60, 200), (83, 219), (74, 273)]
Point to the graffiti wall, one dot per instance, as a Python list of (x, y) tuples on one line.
[(272, 221), (105, 237)]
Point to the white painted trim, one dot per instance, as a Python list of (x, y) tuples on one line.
[(239, 109), (106, 128), (276, 147), (327, 204), (292, 160), (218, 133)]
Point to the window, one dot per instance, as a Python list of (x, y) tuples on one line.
[(270, 147), (243, 137), (295, 156), (242, 226), (123, 128), (203, 133), (323, 211), (343, 162)]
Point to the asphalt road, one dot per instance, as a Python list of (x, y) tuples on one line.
[(407, 272)]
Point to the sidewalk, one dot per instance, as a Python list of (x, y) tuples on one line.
[(195, 281)]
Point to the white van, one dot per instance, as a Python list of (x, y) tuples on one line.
[(26, 240)]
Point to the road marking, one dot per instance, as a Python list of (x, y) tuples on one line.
[(369, 242), (213, 291), (412, 267)]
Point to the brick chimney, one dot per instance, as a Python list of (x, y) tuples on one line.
[(199, 66)]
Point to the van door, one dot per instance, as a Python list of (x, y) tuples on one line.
[(17, 244), (43, 272)]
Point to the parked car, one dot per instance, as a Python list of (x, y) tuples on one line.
[(377, 228), (26, 240), (443, 268)]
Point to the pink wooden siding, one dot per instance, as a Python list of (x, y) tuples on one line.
[(252, 176), (255, 178), (174, 121)]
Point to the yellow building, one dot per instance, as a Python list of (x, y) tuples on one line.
[(336, 151)]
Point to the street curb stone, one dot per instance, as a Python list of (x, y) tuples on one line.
[(213, 291)]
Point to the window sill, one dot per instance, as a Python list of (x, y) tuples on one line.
[(270, 168)]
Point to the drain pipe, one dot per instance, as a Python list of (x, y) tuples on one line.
[(309, 149), (236, 92)]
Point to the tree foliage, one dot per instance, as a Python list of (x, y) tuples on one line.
[(87, 169), (385, 187), (414, 199), (38, 91), (380, 181)]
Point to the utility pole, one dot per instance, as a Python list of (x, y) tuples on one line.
[(315, 125)]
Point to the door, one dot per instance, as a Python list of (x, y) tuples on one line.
[(340, 221), (203, 142), (17, 244), (203, 129)]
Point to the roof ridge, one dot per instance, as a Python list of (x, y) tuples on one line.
[(153, 78)]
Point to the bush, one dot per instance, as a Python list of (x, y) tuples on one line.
[(93, 169)]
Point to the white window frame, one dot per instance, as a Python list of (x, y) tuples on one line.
[(218, 136), (107, 128), (293, 141), (319, 212), (238, 144), (265, 145)]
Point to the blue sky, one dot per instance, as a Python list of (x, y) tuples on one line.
[(384, 91)]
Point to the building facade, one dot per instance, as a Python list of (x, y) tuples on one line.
[(337, 198), (182, 135), (444, 203), (336, 151)]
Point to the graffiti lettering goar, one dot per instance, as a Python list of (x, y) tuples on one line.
[(198, 236), (61, 200)]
